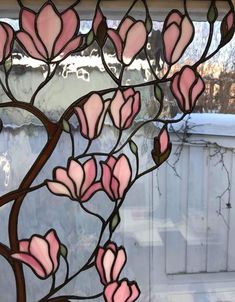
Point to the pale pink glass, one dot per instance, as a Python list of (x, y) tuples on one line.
[(178, 32), (164, 141), (40, 253), (116, 176), (97, 20), (187, 86), (230, 20), (6, 34), (110, 261), (49, 36), (78, 181), (124, 39), (124, 108), (122, 291), (91, 116)]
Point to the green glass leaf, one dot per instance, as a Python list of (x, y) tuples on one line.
[(212, 14), (114, 222), (90, 38), (149, 24), (63, 250), (158, 93), (133, 147), (8, 64), (66, 126)]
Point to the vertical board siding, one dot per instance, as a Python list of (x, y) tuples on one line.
[(217, 222), (231, 243), (176, 199), (199, 230), (197, 210)]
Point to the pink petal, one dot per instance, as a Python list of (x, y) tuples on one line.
[(108, 260), (3, 35), (29, 46), (58, 188), (93, 109), (133, 45), (54, 247), (122, 171), (115, 107), (176, 92), (126, 111), (90, 171), (170, 38), (185, 38), (124, 26), (134, 293), (69, 27), (31, 262), (97, 20), (106, 179), (174, 17), (27, 22), (197, 90), (164, 141), (186, 81), (119, 264), (109, 291), (117, 41), (112, 246), (39, 249), (10, 34), (69, 48), (128, 92), (102, 117), (82, 121), (91, 191), (49, 25), (230, 20), (111, 161), (76, 173), (122, 293), (99, 264), (62, 177), (115, 187), (24, 246)]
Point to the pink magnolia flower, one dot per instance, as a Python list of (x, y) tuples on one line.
[(125, 40), (91, 115), (122, 291), (110, 261), (77, 181), (187, 86), (227, 27), (116, 176), (6, 42), (124, 108), (162, 147), (40, 253), (48, 35), (178, 31)]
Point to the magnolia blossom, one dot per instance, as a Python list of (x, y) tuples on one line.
[(178, 32), (162, 146), (77, 181), (187, 86), (40, 253), (122, 291), (124, 108), (49, 35), (110, 261), (228, 26), (6, 34), (128, 39), (116, 176), (91, 115)]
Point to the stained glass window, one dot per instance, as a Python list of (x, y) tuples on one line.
[(100, 181)]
